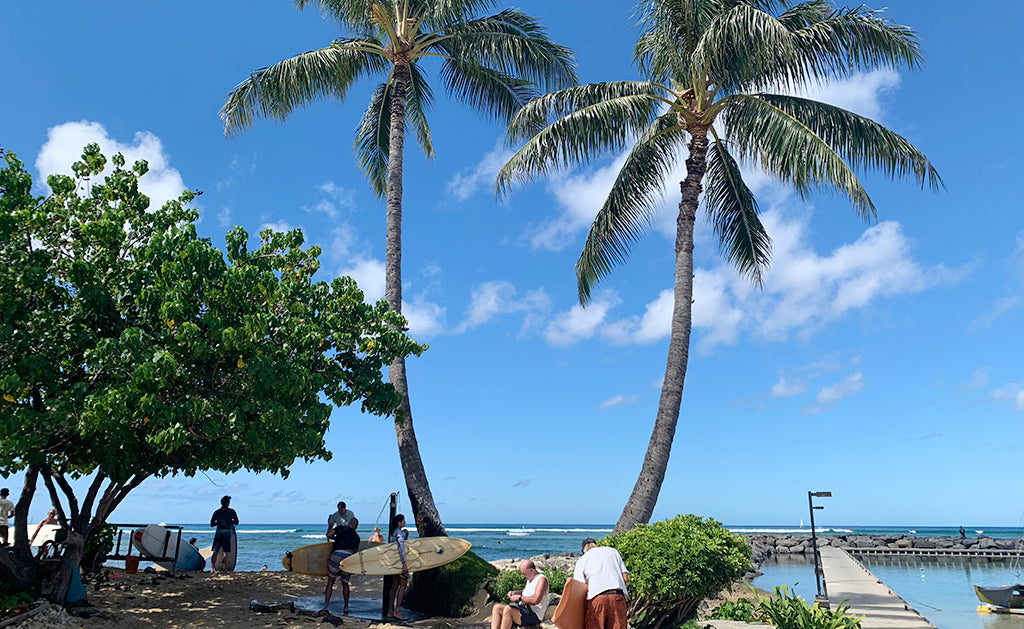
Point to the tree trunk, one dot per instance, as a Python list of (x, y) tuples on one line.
[(641, 502), (421, 501), (56, 574)]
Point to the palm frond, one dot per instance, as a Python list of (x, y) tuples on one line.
[(862, 142), (512, 43), (371, 144), (354, 14), (734, 214), (547, 109), (742, 45), (417, 102), (631, 203), (836, 43), (491, 91), (588, 120), (276, 91), (791, 150)]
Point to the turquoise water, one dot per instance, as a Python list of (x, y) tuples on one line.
[(940, 589)]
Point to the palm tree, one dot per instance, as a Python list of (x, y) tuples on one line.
[(491, 63), (718, 72)]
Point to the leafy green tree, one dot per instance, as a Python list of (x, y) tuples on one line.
[(132, 348), (714, 71), (490, 63), (675, 564)]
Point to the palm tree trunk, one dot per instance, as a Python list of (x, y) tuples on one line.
[(428, 521), (641, 502)]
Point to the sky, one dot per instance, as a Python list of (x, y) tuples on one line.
[(881, 361)]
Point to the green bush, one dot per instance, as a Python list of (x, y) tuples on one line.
[(742, 610), (12, 602), (788, 611), (506, 581), (448, 590), (676, 563), (556, 578)]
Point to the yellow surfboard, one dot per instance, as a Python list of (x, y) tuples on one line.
[(421, 553), (312, 560)]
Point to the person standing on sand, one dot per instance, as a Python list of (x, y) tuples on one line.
[(528, 605), (346, 544), (6, 511), (401, 581), (340, 517), (225, 519), (605, 574)]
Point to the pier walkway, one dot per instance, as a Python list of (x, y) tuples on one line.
[(847, 580)]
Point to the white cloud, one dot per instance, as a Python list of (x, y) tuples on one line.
[(618, 400), (279, 226), (64, 144), (467, 182), (829, 395), (1001, 307), (784, 389), (334, 196), (369, 274), (803, 291), (426, 319), (861, 93), (979, 380), (1012, 393), (492, 299), (580, 323)]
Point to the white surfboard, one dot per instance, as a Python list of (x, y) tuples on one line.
[(156, 541), (46, 534)]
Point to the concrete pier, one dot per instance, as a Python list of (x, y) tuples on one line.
[(847, 580)]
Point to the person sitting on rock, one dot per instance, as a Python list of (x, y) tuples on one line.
[(527, 606)]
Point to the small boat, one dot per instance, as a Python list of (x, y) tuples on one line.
[(1010, 596)]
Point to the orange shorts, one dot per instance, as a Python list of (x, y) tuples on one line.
[(606, 611)]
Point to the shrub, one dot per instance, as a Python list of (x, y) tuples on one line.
[(448, 590), (506, 581), (676, 563), (556, 578), (788, 611), (742, 610)]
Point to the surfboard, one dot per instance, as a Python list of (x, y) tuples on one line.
[(151, 539), (232, 555), (422, 553), (570, 610), (312, 560), (46, 534)]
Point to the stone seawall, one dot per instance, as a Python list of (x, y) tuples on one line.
[(763, 546)]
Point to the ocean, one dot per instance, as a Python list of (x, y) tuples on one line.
[(941, 589)]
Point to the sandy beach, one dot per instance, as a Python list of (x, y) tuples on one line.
[(225, 601)]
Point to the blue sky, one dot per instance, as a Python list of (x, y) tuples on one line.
[(881, 361)]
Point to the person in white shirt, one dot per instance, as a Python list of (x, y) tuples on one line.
[(6, 511), (528, 605), (605, 574)]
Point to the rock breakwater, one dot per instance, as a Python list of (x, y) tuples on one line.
[(763, 545)]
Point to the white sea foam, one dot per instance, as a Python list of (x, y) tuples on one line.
[(244, 531), (505, 529)]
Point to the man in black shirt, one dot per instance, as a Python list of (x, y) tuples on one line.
[(346, 543), (225, 520)]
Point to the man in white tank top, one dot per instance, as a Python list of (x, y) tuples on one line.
[(528, 605)]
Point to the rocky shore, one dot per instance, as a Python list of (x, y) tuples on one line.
[(763, 546)]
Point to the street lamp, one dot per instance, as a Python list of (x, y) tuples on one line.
[(819, 577)]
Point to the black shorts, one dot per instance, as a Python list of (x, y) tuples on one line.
[(528, 616)]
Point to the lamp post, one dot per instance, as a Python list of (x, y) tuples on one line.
[(822, 598)]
